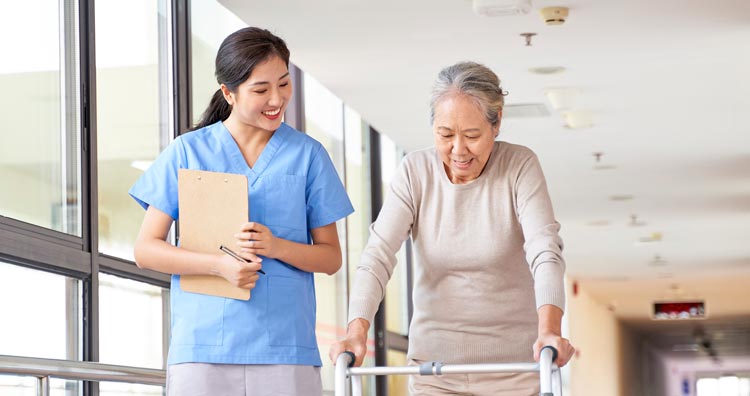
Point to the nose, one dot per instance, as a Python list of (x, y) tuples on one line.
[(276, 99), (459, 145)]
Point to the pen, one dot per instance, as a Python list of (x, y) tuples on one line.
[(236, 256)]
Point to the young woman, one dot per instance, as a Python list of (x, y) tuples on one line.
[(266, 345)]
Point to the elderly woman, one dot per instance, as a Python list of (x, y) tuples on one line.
[(489, 284)]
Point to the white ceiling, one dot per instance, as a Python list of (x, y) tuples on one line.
[(667, 82)]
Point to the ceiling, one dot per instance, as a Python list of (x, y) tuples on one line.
[(666, 83)]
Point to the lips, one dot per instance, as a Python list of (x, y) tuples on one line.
[(466, 164), (272, 114)]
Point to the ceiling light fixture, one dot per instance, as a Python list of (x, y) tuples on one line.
[(493, 8), (562, 98), (578, 119), (546, 70)]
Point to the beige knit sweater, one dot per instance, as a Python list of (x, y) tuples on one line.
[(488, 254)]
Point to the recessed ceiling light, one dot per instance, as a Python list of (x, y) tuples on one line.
[(655, 237), (562, 98), (578, 119), (634, 222), (659, 261), (547, 70), (620, 197)]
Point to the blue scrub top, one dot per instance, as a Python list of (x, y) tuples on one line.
[(292, 188)]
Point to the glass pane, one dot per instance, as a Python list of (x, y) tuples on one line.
[(27, 386), (707, 387), (398, 385), (324, 121), (357, 186), (396, 299), (45, 313), (210, 23), (133, 110), (39, 98), (124, 389), (123, 303)]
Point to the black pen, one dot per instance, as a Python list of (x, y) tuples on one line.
[(236, 256)]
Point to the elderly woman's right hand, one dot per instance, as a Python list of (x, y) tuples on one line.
[(355, 342)]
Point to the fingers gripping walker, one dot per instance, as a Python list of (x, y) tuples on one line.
[(549, 373)]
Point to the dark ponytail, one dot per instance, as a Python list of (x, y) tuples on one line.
[(236, 59), (218, 110)]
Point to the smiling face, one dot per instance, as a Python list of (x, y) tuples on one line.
[(463, 137), (260, 101)]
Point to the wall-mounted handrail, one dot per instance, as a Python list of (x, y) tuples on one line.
[(80, 371)]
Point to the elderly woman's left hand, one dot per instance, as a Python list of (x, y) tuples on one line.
[(565, 350)]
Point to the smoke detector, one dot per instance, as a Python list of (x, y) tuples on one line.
[(553, 16), (501, 7)]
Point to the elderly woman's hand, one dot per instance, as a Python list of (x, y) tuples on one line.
[(565, 350), (355, 342)]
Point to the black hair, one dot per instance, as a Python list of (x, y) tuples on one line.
[(237, 57)]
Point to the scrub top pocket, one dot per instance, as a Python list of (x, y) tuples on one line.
[(285, 201), (291, 312)]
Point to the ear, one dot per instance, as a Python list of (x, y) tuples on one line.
[(228, 95), (499, 121)]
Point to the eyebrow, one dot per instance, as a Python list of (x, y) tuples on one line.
[(465, 130), (266, 82)]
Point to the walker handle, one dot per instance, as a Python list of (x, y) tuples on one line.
[(353, 358), (554, 352)]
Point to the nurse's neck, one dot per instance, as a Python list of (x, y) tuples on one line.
[(249, 139)]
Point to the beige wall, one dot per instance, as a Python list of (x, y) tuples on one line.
[(595, 332)]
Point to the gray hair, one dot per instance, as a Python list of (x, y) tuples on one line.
[(474, 80)]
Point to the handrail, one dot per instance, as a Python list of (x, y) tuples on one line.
[(80, 371)]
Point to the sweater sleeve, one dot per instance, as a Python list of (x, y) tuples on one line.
[(543, 245), (387, 234)]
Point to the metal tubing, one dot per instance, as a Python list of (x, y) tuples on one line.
[(450, 369), (356, 386), (342, 363), (80, 371), (545, 370), (557, 382), (42, 386)]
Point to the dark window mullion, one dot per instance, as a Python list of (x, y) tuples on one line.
[(89, 187), (376, 196)]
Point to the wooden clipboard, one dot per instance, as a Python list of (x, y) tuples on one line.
[(212, 205)]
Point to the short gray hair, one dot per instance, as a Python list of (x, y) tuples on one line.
[(474, 80)]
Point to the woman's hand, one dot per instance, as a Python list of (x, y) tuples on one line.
[(257, 239), (565, 350), (239, 274), (355, 342)]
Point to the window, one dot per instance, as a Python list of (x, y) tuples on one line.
[(45, 313), (39, 147), (133, 111), (210, 23), (130, 323), (324, 121), (396, 294)]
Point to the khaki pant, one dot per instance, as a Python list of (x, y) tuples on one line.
[(501, 384), (203, 379)]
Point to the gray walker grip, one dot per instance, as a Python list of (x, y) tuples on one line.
[(430, 368)]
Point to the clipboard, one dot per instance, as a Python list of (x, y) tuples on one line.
[(212, 207)]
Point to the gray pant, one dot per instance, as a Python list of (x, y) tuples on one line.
[(204, 379)]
